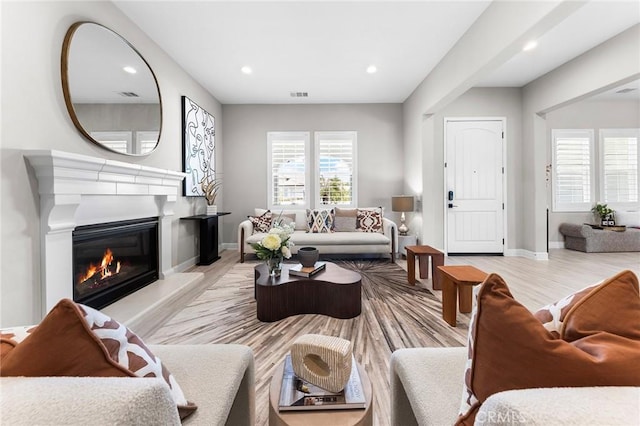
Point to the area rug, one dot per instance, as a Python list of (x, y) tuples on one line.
[(394, 315)]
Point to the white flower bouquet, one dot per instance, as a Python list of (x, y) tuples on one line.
[(276, 244)]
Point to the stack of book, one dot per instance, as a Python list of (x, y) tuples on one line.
[(298, 394), (307, 271)]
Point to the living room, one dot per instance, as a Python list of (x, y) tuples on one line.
[(400, 144)]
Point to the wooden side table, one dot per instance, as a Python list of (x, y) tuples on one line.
[(356, 417), (458, 282), (423, 253)]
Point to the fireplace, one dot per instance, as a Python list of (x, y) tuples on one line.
[(112, 260)]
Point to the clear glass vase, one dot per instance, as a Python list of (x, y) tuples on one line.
[(275, 266)]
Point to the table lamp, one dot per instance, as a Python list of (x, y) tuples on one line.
[(402, 203)]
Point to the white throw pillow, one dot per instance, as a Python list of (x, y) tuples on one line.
[(630, 218)]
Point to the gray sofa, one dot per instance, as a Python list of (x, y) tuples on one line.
[(427, 383), (219, 379), (327, 243), (585, 238)]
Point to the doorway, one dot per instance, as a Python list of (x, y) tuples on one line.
[(474, 186)]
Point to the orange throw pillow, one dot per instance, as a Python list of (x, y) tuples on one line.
[(509, 348), (76, 340)]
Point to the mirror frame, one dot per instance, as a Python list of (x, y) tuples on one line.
[(64, 70)]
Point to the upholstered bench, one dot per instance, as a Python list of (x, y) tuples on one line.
[(589, 240)]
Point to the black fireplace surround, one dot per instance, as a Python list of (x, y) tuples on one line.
[(113, 260)]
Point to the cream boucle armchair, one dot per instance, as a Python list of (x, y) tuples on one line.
[(219, 379)]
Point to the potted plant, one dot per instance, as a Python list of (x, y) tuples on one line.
[(210, 187), (604, 213)]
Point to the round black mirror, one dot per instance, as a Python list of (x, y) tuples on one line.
[(110, 90)]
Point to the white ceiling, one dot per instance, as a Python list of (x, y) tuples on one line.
[(324, 48)]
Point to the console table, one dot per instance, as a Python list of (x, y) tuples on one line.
[(208, 236)]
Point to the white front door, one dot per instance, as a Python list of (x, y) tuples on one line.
[(474, 186)]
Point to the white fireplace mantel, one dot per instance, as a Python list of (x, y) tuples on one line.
[(74, 190)]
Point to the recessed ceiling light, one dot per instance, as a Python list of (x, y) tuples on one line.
[(530, 46), (371, 69), (246, 70), (130, 70)]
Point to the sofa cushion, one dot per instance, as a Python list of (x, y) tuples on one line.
[(261, 223), (319, 221), (345, 220), (630, 219), (302, 238), (510, 349), (299, 214), (369, 220), (75, 340)]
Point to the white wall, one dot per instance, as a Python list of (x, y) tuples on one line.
[(497, 35), (380, 165), (589, 114), (486, 102), (608, 65), (34, 116)]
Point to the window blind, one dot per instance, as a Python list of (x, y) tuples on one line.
[(620, 167), (287, 169), (335, 158), (573, 165)]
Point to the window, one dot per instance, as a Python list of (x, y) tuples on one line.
[(146, 141), (119, 141), (619, 166), (573, 186), (292, 180), (335, 154), (288, 169)]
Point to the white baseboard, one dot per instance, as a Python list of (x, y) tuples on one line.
[(527, 254), (556, 244), (229, 246), (186, 264)]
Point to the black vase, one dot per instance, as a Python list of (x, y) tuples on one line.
[(308, 256)]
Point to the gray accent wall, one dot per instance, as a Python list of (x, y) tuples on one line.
[(34, 116), (589, 114), (380, 158)]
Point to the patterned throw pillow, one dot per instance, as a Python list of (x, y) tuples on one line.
[(591, 308), (369, 220), (510, 349), (345, 220), (553, 315), (10, 337), (320, 221), (76, 340), (261, 223)]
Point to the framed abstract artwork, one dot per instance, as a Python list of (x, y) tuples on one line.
[(198, 146)]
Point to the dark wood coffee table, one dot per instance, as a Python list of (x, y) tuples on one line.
[(335, 292)]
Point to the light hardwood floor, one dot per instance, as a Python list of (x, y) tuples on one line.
[(220, 315)]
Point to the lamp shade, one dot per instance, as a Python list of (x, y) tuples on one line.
[(402, 203)]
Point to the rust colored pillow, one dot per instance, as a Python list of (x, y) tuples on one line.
[(589, 310), (75, 340), (510, 349)]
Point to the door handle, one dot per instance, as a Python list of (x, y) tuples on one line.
[(451, 205)]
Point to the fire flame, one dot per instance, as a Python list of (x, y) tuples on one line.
[(104, 269)]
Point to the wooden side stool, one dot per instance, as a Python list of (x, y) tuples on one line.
[(458, 282), (423, 253)]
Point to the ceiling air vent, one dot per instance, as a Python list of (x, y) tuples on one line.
[(299, 94), (129, 94), (627, 90)]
